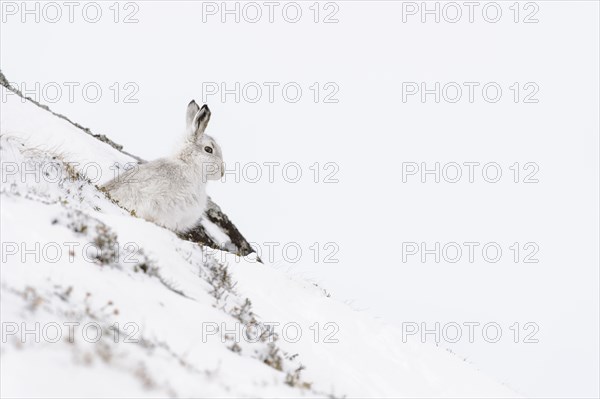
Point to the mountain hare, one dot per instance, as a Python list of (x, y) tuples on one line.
[(171, 192)]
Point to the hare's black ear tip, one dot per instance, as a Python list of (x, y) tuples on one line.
[(193, 102), (205, 108)]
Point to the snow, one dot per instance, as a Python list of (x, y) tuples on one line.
[(167, 295)]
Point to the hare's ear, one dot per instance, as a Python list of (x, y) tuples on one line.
[(192, 110), (200, 122)]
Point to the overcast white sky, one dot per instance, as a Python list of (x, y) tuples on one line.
[(175, 52)]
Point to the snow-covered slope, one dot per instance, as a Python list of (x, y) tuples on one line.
[(142, 312)]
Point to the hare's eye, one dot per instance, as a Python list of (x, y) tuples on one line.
[(208, 149)]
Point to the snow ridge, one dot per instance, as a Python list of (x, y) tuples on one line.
[(97, 302)]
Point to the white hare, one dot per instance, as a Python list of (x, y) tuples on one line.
[(171, 192)]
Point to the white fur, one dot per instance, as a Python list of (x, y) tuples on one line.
[(171, 191)]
